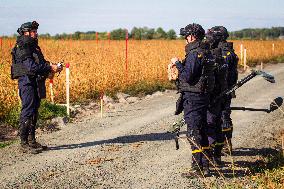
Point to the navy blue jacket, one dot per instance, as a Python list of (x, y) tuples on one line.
[(190, 70), (40, 69)]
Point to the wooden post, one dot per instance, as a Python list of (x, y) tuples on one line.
[(68, 89), (51, 90), (273, 48), (245, 58), (102, 103), (261, 66), (241, 49)]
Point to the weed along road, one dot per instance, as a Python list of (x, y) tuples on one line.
[(130, 147)]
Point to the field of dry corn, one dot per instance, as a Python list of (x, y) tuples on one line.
[(101, 66)]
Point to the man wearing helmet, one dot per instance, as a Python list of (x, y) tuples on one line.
[(218, 36), (195, 81), (31, 70), (215, 135)]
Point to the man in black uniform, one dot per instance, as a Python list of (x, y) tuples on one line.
[(219, 34), (215, 135), (231, 59), (31, 70), (195, 82)]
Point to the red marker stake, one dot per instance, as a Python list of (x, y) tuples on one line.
[(97, 38), (1, 42), (126, 53), (10, 43)]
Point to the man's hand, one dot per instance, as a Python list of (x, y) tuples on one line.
[(174, 60), (55, 68)]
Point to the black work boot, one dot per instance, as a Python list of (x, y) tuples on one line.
[(217, 155), (206, 171), (32, 140), (217, 161), (24, 132), (196, 171), (205, 164)]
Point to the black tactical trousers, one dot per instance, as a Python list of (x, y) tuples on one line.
[(195, 111), (227, 125), (215, 135), (29, 112)]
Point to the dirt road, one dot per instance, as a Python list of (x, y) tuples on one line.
[(129, 147)]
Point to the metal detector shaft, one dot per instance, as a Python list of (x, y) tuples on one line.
[(237, 85), (266, 76)]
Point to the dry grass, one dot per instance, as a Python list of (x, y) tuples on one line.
[(101, 67)]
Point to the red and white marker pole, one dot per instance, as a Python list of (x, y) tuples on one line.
[(51, 91), (68, 89)]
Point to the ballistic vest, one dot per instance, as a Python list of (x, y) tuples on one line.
[(228, 50), (221, 72), (25, 48), (206, 81)]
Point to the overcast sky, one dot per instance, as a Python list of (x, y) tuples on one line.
[(58, 16)]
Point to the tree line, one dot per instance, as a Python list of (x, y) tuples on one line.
[(118, 34), (258, 33), (145, 33)]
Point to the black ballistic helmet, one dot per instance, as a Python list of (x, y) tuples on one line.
[(220, 33), (28, 26), (193, 29)]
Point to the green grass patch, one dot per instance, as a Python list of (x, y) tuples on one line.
[(46, 111), (6, 143), (49, 111), (12, 118)]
